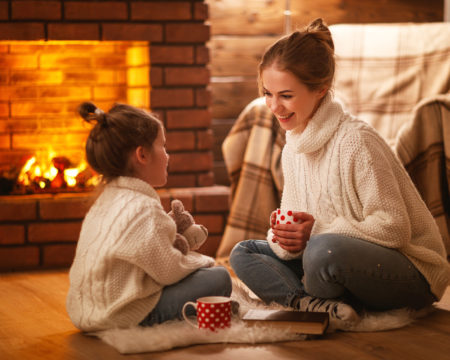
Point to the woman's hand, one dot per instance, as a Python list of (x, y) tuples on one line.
[(293, 237)]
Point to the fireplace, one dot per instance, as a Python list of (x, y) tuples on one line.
[(56, 54), (43, 83)]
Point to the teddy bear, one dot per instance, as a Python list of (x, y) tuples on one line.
[(190, 236)]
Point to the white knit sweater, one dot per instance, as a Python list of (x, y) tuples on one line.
[(124, 258), (344, 174)]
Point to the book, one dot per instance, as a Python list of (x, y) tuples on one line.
[(302, 322)]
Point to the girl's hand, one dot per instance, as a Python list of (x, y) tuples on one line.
[(293, 237)]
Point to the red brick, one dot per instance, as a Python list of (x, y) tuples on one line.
[(186, 196), (3, 10), (212, 199), (200, 11), (186, 76), (156, 77), (183, 119), (202, 97), (36, 10), (180, 140), (181, 180), (161, 10), (16, 208), (58, 255), (98, 10), (146, 32), (214, 223), (18, 258), (12, 234), (171, 98), (205, 140), (73, 32), (22, 31), (187, 33), (65, 206), (206, 179), (171, 54), (54, 232), (185, 162), (5, 140), (210, 246), (201, 55)]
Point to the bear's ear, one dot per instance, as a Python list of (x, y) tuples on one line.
[(177, 206)]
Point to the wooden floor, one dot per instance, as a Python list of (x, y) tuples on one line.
[(34, 325)]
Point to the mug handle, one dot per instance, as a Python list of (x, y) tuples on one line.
[(189, 321)]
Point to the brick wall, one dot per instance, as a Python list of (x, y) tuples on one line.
[(176, 33), (41, 231)]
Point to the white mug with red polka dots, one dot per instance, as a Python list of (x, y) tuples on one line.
[(213, 312), (286, 217)]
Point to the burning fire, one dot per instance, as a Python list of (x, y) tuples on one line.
[(55, 174)]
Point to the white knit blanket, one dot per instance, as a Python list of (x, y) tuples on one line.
[(173, 334)]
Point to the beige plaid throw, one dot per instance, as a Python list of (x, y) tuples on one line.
[(252, 154), (423, 146), (382, 72)]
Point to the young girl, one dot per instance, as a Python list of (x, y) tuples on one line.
[(126, 269), (366, 238)]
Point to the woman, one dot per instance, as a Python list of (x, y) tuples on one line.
[(366, 239)]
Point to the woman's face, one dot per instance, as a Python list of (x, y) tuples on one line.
[(290, 100)]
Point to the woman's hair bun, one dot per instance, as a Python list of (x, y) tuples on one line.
[(317, 25), (320, 29)]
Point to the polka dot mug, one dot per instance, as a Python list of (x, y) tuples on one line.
[(213, 312), (286, 217)]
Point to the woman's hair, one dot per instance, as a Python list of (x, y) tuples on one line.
[(307, 54), (115, 135)]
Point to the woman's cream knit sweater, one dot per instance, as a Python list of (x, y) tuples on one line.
[(344, 174), (124, 258)]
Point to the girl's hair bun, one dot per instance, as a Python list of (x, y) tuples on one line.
[(90, 112)]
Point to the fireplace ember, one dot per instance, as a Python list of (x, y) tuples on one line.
[(56, 175)]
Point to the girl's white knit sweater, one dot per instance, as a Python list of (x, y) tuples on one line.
[(124, 258), (344, 174)]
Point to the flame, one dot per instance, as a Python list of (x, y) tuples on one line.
[(44, 174)]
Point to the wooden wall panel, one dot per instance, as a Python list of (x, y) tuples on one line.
[(229, 98), (237, 55), (246, 17)]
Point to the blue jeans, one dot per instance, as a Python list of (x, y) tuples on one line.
[(356, 271), (215, 281)]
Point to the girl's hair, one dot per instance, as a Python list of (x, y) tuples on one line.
[(115, 135), (307, 54)]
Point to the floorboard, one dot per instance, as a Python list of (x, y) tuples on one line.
[(34, 325)]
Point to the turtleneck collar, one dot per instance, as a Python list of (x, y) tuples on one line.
[(319, 130)]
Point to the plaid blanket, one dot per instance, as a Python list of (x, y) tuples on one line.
[(252, 154), (382, 72), (423, 146)]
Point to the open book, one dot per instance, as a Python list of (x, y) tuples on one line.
[(301, 322)]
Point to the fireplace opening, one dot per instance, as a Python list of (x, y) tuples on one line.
[(42, 83)]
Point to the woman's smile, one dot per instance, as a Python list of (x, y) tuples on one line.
[(285, 118)]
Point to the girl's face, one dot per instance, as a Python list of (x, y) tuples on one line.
[(154, 161), (290, 100)]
